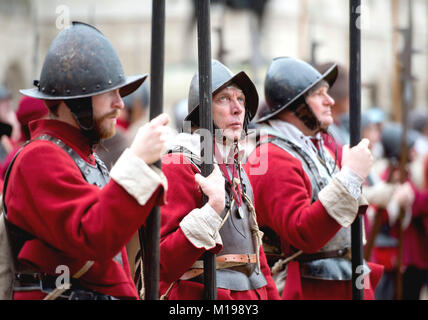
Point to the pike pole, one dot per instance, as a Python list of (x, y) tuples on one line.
[(355, 136), (206, 124), (150, 237), (406, 105)]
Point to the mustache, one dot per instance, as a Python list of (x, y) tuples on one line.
[(114, 113)]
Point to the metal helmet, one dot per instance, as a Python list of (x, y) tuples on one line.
[(81, 62), (391, 140), (288, 79), (221, 78)]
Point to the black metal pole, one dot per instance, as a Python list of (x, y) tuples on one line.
[(406, 105), (152, 232), (355, 136), (206, 124)]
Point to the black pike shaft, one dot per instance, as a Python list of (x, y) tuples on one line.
[(355, 136), (206, 124), (152, 232)]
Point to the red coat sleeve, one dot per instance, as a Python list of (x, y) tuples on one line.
[(48, 197), (283, 200), (177, 253)]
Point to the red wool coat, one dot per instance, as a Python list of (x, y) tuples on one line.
[(177, 253), (72, 221), (282, 193)]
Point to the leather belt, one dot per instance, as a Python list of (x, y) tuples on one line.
[(242, 258), (222, 262), (339, 253)]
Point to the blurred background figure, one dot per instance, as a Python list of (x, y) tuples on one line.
[(10, 128), (418, 121), (384, 225), (376, 117), (29, 109), (180, 112)]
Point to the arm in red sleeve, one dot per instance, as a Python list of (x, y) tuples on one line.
[(178, 253), (283, 201), (48, 197)]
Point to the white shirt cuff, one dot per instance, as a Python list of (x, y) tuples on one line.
[(136, 177), (201, 227), (351, 181)]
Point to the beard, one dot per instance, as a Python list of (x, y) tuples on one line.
[(104, 127)]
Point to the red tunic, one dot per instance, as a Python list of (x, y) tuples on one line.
[(282, 197), (72, 221), (177, 253)]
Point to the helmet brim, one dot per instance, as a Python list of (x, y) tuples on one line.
[(242, 80), (330, 76), (130, 84)]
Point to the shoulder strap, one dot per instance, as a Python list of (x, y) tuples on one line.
[(193, 158), (308, 164)]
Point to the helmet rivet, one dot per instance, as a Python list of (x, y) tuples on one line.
[(53, 91), (83, 89), (109, 82), (98, 86), (68, 91)]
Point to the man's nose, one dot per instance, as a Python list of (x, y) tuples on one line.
[(118, 102), (237, 107), (329, 100)]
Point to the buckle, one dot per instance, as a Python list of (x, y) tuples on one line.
[(345, 253)]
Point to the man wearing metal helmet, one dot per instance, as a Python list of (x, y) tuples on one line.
[(226, 225), (67, 220), (305, 205)]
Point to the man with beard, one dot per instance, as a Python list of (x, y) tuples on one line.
[(304, 204), (226, 225), (67, 221)]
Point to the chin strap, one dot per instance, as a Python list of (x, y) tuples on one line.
[(307, 116), (82, 111)]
